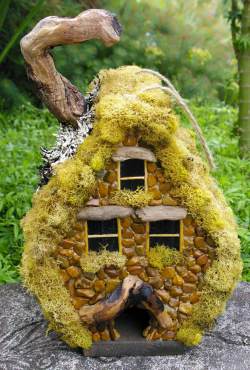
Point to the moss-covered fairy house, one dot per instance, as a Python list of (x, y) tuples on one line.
[(131, 218)]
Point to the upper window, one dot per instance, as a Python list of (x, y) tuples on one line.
[(132, 174), (132, 167), (102, 234), (164, 232)]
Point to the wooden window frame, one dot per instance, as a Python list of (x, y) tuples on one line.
[(120, 178), (99, 236), (178, 235)]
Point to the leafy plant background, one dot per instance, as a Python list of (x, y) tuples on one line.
[(189, 41)]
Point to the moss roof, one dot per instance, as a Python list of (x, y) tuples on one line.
[(121, 107)]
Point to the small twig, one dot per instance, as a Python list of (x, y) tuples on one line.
[(174, 93)]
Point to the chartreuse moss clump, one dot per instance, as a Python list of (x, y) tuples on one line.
[(162, 256), (122, 107), (94, 261), (136, 199), (44, 281)]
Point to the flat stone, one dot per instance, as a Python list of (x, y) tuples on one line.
[(24, 344), (123, 153)]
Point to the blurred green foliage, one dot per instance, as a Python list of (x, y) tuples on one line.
[(189, 41), (23, 132)]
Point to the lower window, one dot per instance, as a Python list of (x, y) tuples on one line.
[(102, 234), (97, 244), (164, 232)]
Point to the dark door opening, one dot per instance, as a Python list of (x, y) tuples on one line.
[(132, 322)]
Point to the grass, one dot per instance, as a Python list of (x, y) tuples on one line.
[(24, 131)]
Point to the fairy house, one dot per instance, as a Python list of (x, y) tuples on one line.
[(130, 215)]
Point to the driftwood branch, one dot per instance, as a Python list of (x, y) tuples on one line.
[(133, 291), (61, 97)]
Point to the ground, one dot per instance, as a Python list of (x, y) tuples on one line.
[(25, 346)]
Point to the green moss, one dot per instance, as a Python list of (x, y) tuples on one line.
[(127, 198), (121, 107), (94, 261), (45, 282), (190, 335), (162, 256)]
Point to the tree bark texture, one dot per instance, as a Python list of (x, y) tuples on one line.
[(61, 97), (244, 83)]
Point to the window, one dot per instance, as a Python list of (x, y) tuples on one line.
[(132, 174), (132, 167), (102, 233), (164, 232)]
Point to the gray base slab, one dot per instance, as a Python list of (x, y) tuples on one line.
[(131, 343), (24, 344)]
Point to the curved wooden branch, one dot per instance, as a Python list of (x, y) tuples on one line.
[(61, 97), (132, 291)]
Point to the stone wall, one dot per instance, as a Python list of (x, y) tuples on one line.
[(178, 286)]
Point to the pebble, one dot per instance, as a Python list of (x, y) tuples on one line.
[(151, 167), (151, 180), (67, 244), (129, 252), (194, 298), (133, 261), (74, 271), (138, 228), (140, 239), (105, 335), (178, 280), (164, 187), (202, 260), (163, 295), (135, 270), (103, 189), (126, 222), (175, 291), (173, 302), (190, 277), (156, 282), (199, 242), (127, 234), (86, 293), (111, 284), (172, 311), (195, 268), (188, 220), (140, 250), (185, 308), (96, 337), (168, 201), (99, 285), (169, 272), (188, 287), (189, 230), (128, 242), (64, 275), (112, 272), (152, 271), (78, 302)]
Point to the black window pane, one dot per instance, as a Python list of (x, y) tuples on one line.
[(165, 227), (97, 244), (131, 184), (167, 241), (132, 167), (102, 227)]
